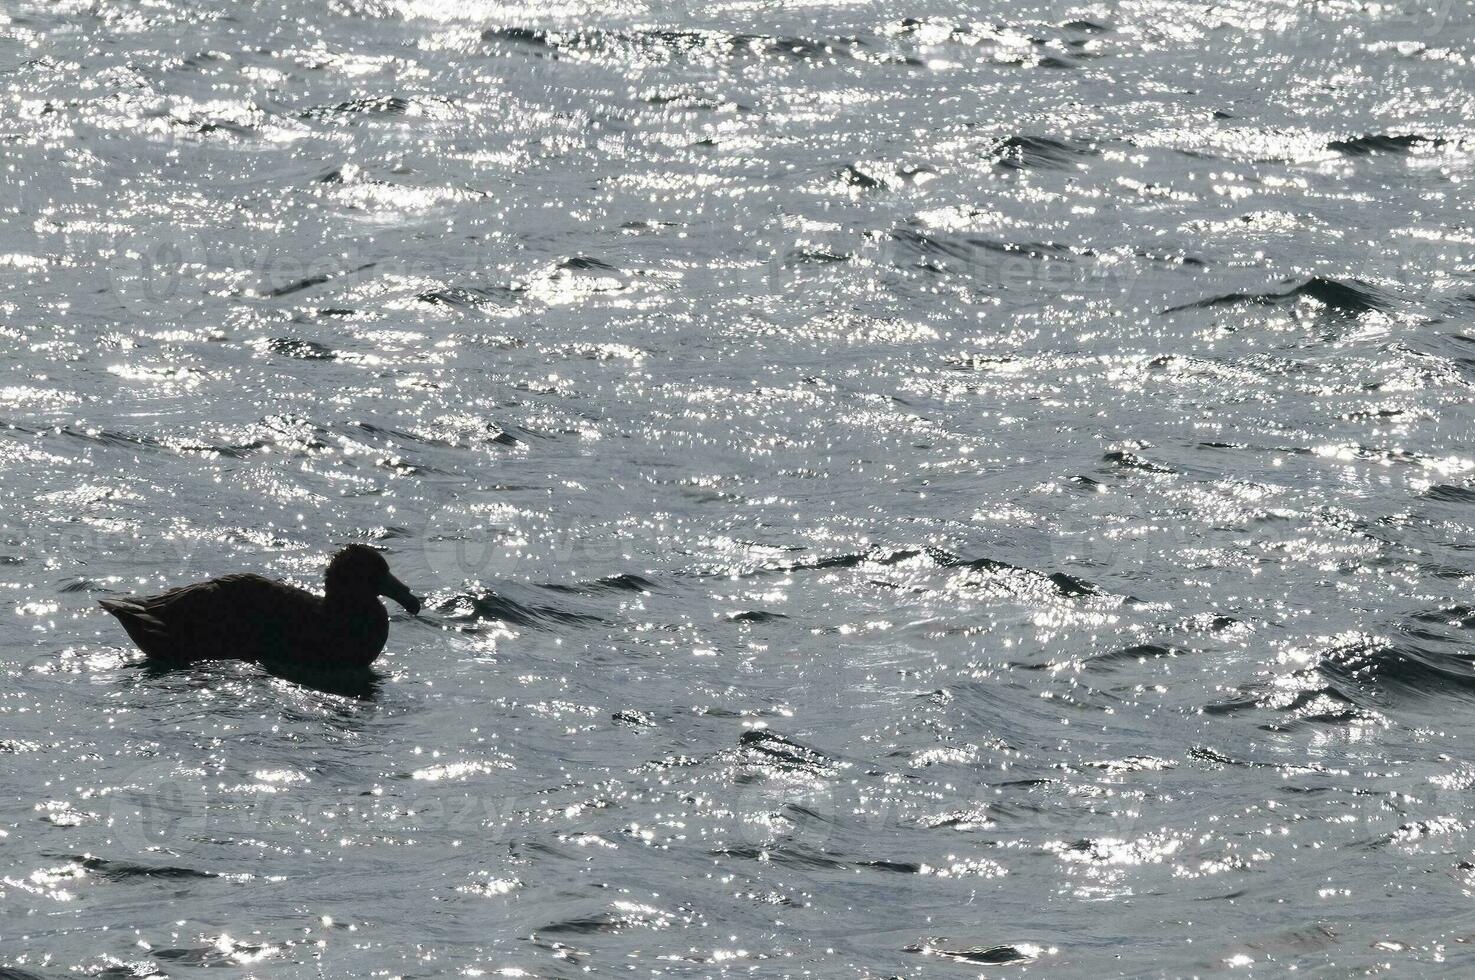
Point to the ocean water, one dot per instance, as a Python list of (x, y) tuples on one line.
[(901, 489)]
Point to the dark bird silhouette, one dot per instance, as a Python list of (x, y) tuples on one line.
[(248, 617)]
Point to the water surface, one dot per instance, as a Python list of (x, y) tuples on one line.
[(932, 490)]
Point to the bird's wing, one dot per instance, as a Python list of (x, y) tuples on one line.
[(205, 620)]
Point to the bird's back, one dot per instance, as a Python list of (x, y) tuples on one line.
[(244, 617)]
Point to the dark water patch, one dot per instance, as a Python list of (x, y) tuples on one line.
[(1462, 617), (594, 924), (932, 248), (1414, 830), (772, 750), (646, 225), (297, 286), (400, 466), (693, 100), (627, 582), (488, 606), (814, 256), (398, 435), (224, 126), (337, 311), (353, 683), (1127, 460), (73, 585), (1359, 146), (894, 867), (1346, 299), (1214, 757), (1070, 585), (1132, 763), (585, 263), (302, 350), (130, 871), (1450, 495), (110, 438), (1041, 152), (1040, 251), (1386, 670), (1061, 583), (295, 432), (237, 451), (472, 297), (541, 42), (859, 179), (1137, 653), (633, 718), (489, 435), (225, 954), (1006, 955), (990, 260), (1324, 704), (1189, 261), (980, 362), (392, 105), (790, 855), (877, 556), (755, 616), (1349, 298), (309, 282), (973, 818)]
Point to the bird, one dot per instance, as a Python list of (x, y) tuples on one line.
[(249, 617)]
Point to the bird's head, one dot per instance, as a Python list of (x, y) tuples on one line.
[(359, 570)]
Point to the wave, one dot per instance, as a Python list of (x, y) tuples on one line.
[(1382, 668), (1041, 152), (1450, 495), (627, 582), (1348, 299), (1005, 955), (773, 751), (1359, 146), (473, 608), (130, 871), (1136, 653), (755, 616), (1131, 461), (302, 350)]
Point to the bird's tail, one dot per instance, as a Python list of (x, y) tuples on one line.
[(146, 629)]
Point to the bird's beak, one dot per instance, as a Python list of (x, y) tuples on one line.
[(400, 593)]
